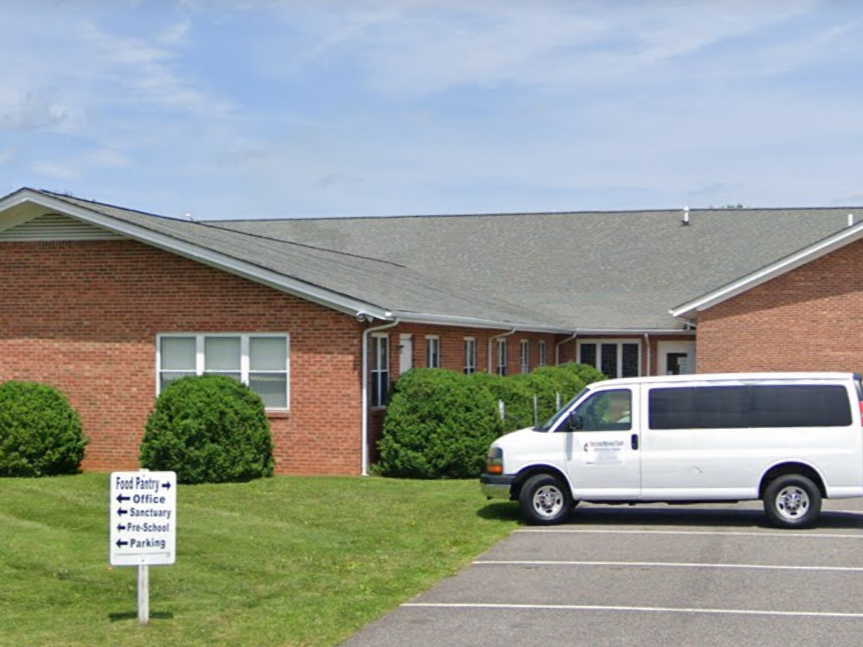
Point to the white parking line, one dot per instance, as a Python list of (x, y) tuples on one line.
[(763, 567), (586, 607), (722, 533)]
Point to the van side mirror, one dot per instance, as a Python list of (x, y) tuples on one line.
[(576, 422)]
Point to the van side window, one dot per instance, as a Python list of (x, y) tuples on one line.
[(800, 406), (739, 407), (712, 407), (603, 411)]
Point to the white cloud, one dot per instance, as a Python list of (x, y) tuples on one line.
[(54, 170), (35, 111)]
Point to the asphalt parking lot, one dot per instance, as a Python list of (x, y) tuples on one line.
[(649, 576)]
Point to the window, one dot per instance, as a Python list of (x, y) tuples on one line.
[(603, 411), (699, 408), (543, 353), (380, 370), (260, 361), (525, 356), (613, 358), (469, 355), (740, 407), (799, 405), (501, 357), (433, 352)]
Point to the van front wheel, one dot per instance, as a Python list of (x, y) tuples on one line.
[(792, 501), (545, 500)]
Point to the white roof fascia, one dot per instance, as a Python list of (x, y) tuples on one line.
[(768, 272), (633, 331), (203, 255), (471, 322)]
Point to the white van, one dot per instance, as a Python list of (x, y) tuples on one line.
[(790, 439)]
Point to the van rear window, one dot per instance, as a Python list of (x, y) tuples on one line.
[(735, 407)]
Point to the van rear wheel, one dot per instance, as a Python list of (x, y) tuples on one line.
[(792, 501), (545, 500)]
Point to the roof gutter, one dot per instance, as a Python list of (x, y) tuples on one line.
[(364, 438), (475, 322)]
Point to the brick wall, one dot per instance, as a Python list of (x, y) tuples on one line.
[(807, 319), (452, 356), (83, 316)]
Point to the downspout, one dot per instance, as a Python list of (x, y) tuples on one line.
[(647, 343), (365, 389), (559, 344), (495, 338)]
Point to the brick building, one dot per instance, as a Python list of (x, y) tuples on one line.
[(320, 316)]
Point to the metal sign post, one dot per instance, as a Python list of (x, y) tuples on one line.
[(143, 526)]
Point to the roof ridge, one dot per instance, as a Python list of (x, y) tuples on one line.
[(211, 224), (513, 214)]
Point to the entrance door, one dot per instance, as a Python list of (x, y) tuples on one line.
[(406, 353), (676, 357), (604, 454)]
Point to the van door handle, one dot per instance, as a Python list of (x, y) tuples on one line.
[(634, 440)]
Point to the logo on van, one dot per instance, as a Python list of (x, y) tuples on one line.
[(603, 444)]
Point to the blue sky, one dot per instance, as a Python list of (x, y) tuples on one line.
[(300, 108)]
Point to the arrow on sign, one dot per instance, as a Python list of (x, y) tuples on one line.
[(167, 486), (121, 498), (121, 543), (120, 527), (121, 512)]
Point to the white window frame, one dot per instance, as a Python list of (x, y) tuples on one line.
[(379, 367), (619, 342), (543, 353), (525, 356), (245, 363), (469, 355), (432, 351), (501, 357)]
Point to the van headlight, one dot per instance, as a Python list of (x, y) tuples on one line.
[(494, 461)]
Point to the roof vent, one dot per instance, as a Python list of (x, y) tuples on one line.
[(850, 219), (685, 221)]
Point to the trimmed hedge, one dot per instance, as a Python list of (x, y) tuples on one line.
[(40, 432), (208, 429), (439, 423)]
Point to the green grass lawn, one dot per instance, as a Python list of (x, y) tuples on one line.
[(281, 561)]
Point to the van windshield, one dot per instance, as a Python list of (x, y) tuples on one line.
[(552, 422)]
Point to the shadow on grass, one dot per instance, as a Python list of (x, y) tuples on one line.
[(501, 511), (133, 615)]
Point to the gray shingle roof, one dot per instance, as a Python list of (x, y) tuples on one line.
[(567, 271), (383, 283), (587, 270)]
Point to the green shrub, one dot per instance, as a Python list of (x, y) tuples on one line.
[(517, 399), (208, 429), (40, 432), (548, 388), (439, 424), (586, 373)]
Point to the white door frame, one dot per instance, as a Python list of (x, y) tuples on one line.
[(677, 346), (406, 353)]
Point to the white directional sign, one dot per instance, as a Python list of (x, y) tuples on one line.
[(143, 518)]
